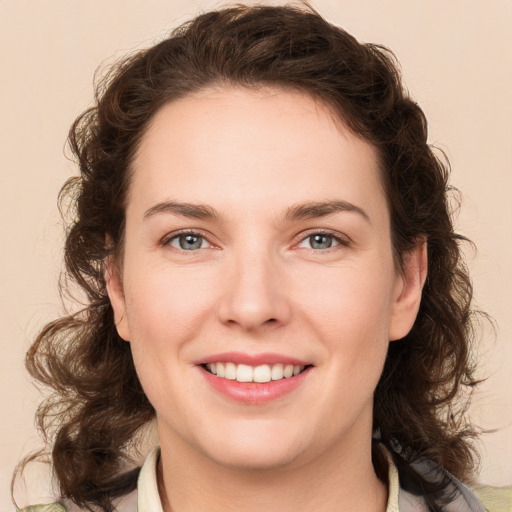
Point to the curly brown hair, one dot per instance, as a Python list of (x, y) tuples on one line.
[(98, 405)]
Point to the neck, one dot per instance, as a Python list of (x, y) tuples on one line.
[(336, 480)]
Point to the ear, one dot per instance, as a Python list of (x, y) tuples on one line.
[(115, 292), (408, 292)]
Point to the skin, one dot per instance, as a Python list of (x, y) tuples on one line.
[(258, 283)]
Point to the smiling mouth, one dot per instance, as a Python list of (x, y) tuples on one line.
[(259, 374)]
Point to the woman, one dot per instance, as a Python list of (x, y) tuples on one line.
[(263, 237)]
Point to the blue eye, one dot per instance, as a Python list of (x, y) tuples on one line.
[(320, 241), (187, 242)]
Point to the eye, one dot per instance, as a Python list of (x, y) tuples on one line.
[(188, 242), (321, 241)]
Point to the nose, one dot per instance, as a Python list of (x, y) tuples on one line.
[(254, 295)]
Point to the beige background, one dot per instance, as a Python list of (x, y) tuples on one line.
[(456, 59)]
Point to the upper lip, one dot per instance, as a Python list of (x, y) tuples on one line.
[(252, 359)]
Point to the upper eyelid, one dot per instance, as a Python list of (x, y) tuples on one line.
[(188, 231), (343, 238), (329, 232)]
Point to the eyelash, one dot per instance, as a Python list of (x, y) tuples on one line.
[(341, 240), (166, 241)]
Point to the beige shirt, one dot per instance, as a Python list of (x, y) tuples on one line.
[(497, 499), (148, 499)]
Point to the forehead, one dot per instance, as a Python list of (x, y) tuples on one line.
[(225, 145)]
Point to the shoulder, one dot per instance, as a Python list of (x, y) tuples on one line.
[(494, 499), (49, 507)]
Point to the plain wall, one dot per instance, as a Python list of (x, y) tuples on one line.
[(456, 59)]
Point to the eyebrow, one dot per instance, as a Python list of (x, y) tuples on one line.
[(315, 210), (301, 211), (189, 210)]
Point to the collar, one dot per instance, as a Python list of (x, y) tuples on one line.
[(398, 500), (148, 499)]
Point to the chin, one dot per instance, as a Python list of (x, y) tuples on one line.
[(255, 449), (259, 460)]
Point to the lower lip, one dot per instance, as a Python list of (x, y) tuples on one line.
[(255, 393)]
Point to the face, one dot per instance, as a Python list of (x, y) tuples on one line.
[(258, 289)]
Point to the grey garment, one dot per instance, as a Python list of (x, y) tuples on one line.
[(465, 501)]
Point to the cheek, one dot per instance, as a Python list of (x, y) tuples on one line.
[(349, 302), (166, 303), (349, 312), (165, 311)]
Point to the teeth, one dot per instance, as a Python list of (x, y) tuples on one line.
[(277, 371), (288, 371), (246, 373), (230, 372), (262, 373)]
